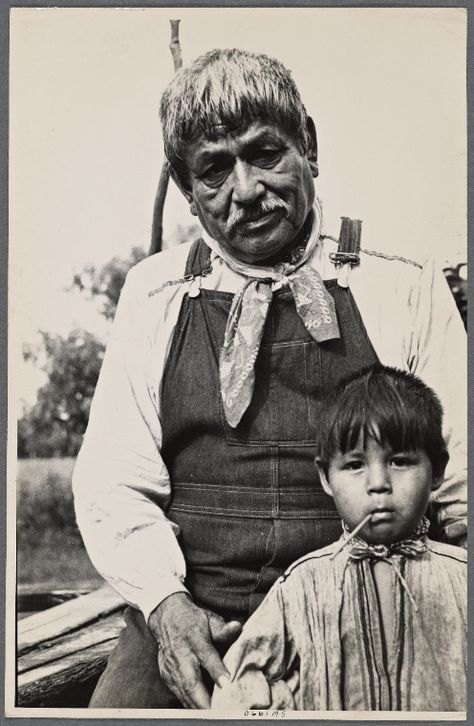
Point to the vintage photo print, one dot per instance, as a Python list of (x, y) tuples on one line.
[(237, 349)]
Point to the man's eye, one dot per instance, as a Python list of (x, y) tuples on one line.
[(215, 175), (266, 158)]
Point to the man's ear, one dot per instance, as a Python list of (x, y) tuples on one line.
[(322, 476), (312, 153), (183, 189)]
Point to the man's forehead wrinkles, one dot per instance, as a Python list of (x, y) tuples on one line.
[(249, 136)]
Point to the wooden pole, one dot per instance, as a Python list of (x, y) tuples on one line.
[(175, 46), (157, 224)]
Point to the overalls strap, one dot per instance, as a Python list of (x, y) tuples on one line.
[(199, 258)]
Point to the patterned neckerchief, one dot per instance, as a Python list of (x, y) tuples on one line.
[(249, 310)]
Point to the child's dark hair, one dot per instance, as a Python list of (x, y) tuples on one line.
[(388, 404)]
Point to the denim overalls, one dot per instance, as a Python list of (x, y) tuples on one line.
[(248, 500)]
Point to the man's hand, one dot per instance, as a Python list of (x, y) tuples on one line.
[(185, 635)]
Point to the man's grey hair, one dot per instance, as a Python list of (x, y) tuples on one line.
[(227, 90)]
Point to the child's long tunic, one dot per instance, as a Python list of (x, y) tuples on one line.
[(316, 642)]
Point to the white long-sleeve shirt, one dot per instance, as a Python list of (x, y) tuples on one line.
[(120, 482)]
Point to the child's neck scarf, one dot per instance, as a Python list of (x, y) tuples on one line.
[(248, 313), (412, 546)]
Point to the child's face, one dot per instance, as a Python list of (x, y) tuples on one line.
[(393, 486)]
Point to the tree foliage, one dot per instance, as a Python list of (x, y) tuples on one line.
[(104, 284), (55, 424)]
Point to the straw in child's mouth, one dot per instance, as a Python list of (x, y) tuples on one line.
[(357, 529)]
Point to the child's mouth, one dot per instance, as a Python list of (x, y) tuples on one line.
[(381, 515)]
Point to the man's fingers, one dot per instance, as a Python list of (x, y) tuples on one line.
[(194, 692), (167, 671), (186, 636), (198, 696), (222, 632), (188, 676), (212, 663)]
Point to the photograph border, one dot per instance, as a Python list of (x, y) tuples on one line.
[(9, 428)]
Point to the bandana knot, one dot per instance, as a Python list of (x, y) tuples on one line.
[(412, 546), (249, 310)]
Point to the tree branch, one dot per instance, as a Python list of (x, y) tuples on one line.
[(175, 46), (157, 224)]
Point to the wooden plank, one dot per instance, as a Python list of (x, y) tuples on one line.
[(31, 600), (66, 617), (41, 684), (103, 630)]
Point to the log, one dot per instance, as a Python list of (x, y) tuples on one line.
[(46, 653), (66, 647), (72, 659), (30, 600), (45, 684), (67, 617)]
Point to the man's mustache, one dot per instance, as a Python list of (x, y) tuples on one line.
[(250, 214)]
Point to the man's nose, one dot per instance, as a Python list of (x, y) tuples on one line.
[(247, 186), (378, 479)]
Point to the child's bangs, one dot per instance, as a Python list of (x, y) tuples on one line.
[(381, 414), (391, 406)]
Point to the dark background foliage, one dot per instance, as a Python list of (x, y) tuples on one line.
[(54, 425)]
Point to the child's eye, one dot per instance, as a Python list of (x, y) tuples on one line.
[(400, 461), (353, 465)]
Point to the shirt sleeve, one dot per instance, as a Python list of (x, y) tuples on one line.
[(120, 482), (259, 662), (438, 354)]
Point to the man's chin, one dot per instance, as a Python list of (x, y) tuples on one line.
[(263, 255), (260, 248)]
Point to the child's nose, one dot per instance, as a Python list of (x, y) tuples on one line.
[(378, 480)]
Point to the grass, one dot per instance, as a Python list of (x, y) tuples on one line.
[(50, 552)]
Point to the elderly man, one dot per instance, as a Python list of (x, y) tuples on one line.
[(195, 487)]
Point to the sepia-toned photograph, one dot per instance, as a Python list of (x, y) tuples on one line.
[(237, 283)]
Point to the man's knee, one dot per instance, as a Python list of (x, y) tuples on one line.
[(131, 678)]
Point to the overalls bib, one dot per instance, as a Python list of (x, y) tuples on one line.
[(248, 501)]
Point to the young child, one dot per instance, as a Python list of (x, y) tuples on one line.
[(377, 620)]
